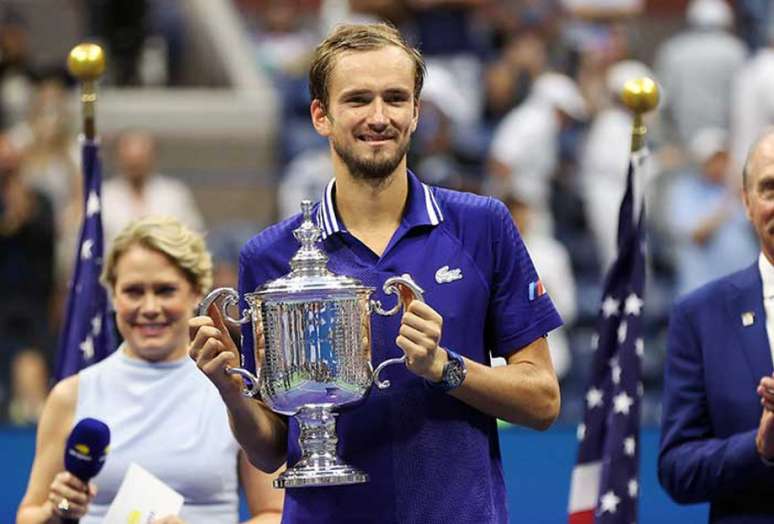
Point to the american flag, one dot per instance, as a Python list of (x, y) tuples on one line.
[(87, 335), (605, 481)]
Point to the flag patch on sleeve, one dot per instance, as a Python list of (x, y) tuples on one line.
[(536, 290)]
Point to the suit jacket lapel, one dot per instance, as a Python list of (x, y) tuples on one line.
[(747, 297)]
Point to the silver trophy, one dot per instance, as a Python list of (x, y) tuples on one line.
[(317, 356)]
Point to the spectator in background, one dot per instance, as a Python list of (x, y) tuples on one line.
[(712, 235), (164, 49), (597, 47), (281, 40), (26, 261), (51, 162), (123, 24), (438, 146), (525, 147), (445, 31), (304, 179), (29, 387), (336, 12), (604, 8), (17, 76), (434, 153), (509, 78), (752, 109), (696, 68), (753, 18), (52, 166), (139, 191)]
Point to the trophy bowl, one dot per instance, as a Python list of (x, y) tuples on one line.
[(312, 344)]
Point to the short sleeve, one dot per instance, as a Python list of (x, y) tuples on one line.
[(520, 311)]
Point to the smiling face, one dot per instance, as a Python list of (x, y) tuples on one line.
[(154, 300), (371, 112), (759, 193)]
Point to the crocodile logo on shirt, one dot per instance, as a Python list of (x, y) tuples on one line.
[(445, 275)]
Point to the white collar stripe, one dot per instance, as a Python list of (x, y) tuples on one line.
[(320, 221), (334, 225), (436, 206), (429, 205), (324, 206), (324, 224)]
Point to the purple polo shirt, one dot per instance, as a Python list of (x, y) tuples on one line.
[(431, 458)]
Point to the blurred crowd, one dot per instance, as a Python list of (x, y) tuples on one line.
[(521, 101)]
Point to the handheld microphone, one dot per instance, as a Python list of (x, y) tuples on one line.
[(85, 451)]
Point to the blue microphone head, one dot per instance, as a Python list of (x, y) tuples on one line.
[(86, 448)]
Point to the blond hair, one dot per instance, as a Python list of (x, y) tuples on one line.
[(358, 37), (184, 247)]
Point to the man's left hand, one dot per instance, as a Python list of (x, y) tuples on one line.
[(766, 391), (420, 334), (764, 439)]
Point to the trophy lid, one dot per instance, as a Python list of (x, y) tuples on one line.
[(309, 266)]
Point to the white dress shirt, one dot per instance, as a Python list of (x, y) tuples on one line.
[(767, 276)]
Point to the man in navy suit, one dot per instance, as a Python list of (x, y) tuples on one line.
[(717, 433)]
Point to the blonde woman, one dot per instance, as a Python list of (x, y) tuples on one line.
[(163, 414)]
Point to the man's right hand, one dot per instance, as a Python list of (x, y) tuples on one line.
[(214, 351)]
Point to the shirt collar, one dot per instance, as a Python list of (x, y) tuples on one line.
[(422, 208), (767, 276)]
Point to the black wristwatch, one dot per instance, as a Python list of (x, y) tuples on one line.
[(453, 375)]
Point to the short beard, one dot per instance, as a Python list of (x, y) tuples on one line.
[(374, 172)]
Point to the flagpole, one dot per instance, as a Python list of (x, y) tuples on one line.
[(87, 332), (640, 95), (604, 488), (86, 62)]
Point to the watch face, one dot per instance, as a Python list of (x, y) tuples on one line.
[(455, 373)]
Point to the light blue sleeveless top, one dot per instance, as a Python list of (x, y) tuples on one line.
[(168, 418)]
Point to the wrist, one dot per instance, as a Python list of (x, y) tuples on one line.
[(231, 394), (435, 373), (452, 375)]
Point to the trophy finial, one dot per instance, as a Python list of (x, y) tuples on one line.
[(86, 62), (309, 259), (306, 209), (308, 233)]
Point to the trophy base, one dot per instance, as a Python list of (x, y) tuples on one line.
[(319, 465), (309, 476)]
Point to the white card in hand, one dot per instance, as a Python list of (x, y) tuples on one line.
[(141, 498)]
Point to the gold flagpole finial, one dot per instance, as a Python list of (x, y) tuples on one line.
[(640, 95), (86, 62)]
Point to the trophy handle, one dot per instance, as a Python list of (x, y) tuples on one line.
[(231, 298), (407, 290), (384, 384), (251, 382)]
